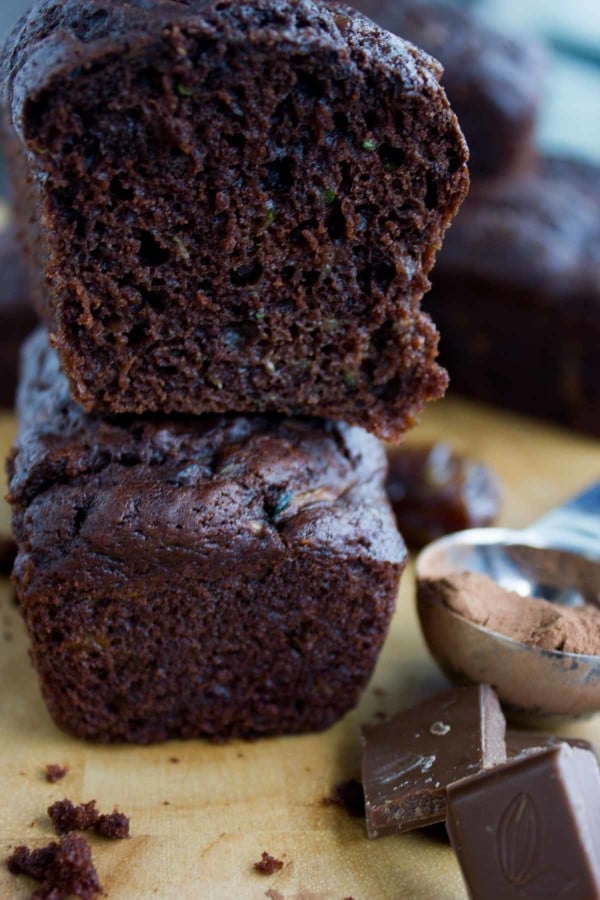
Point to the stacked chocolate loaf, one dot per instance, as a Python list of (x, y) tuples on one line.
[(232, 210), (516, 292)]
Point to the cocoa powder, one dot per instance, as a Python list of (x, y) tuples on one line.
[(529, 620)]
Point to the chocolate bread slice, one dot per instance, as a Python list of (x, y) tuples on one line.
[(494, 81), (218, 576), (235, 205), (517, 294)]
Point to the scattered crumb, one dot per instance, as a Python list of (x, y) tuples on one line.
[(173, 759), (8, 552), (55, 772), (381, 715), (33, 863), (274, 894), (66, 817), (350, 796), (166, 802), (114, 826), (240, 755), (379, 692), (268, 864), (65, 869)]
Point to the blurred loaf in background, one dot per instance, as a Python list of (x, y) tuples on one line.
[(516, 290)]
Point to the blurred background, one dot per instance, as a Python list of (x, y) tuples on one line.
[(570, 119)]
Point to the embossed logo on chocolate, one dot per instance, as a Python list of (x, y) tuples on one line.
[(518, 842)]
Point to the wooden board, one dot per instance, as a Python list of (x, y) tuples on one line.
[(199, 823)]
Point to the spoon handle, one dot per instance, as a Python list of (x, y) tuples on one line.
[(575, 525)]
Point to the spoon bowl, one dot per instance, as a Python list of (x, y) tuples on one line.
[(558, 559)]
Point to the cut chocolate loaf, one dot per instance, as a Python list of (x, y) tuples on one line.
[(217, 576), (494, 81), (517, 294), (235, 205)]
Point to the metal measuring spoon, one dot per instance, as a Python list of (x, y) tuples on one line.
[(557, 558)]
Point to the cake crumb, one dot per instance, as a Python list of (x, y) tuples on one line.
[(350, 796), (64, 869), (66, 817), (268, 864), (114, 826), (55, 772), (274, 894), (173, 759)]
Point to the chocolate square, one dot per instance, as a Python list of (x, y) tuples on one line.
[(530, 828), (409, 761)]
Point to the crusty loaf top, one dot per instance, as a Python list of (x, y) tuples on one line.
[(303, 481), (475, 57), (61, 35)]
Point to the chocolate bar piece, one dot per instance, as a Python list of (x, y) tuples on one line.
[(519, 743), (434, 491), (409, 761), (530, 828)]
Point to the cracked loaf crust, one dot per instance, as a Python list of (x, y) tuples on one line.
[(234, 206), (223, 576), (494, 81)]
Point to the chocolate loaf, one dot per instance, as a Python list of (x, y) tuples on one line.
[(494, 81), (222, 576), (517, 294), (235, 205)]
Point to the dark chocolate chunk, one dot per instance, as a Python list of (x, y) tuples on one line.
[(409, 761), (530, 828), (519, 743), (434, 491)]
